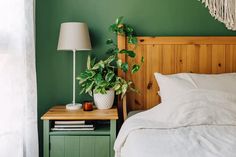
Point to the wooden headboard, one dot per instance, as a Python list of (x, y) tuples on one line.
[(170, 55)]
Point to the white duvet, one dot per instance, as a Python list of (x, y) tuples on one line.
[(199, 123)]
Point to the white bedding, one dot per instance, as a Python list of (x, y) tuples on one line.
[(200, 123)]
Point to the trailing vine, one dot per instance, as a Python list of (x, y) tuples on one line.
[(101, 76)]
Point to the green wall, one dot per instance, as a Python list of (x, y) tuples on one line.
[(149, 17)]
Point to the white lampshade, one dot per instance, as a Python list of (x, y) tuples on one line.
[(74, 36)]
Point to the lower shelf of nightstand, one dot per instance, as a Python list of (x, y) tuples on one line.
[(99, 130)]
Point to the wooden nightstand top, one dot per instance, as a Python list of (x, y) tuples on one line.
[(60, 113)]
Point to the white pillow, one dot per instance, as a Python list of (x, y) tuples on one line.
[(172, 86)]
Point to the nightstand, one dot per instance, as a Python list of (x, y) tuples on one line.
[(97, 143)]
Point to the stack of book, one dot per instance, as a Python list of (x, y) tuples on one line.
[(73, 126)]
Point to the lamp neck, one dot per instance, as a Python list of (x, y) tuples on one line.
[(74, 63)]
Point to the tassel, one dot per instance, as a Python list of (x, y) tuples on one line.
[(223, 10)]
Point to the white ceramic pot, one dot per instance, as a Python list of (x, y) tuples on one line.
[(104, 101)]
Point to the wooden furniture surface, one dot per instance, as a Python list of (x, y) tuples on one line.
[(97, 143), (170, 55), (60, 112)]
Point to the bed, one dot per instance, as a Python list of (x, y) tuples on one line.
[(199, 122)]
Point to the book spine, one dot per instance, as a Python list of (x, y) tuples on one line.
[(72, 129), (73, 126), (69, 122)]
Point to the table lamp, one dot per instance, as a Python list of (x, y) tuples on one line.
[(74, 36)]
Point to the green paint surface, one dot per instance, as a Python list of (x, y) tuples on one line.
[(80, 146), (149, 18)]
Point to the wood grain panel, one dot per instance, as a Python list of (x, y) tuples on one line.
[(230, 58), (192, 58), (180, 58), (154, 63), (168, 59), (170, 55), (218, 59), (205, 59)]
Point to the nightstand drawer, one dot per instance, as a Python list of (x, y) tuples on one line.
[(80, 146)]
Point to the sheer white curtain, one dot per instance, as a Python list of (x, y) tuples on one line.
[(18, 100)]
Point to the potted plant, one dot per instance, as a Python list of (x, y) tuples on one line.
[(100, 79)]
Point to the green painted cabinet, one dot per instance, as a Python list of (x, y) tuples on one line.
[(80, 146)]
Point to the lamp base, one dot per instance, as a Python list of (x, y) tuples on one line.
[(73, 107)]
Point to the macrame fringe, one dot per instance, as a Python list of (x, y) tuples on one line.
[(223, 10)]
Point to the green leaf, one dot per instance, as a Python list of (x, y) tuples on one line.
[(130, 83), (103, 91), (89, 87), (89, 62), (113, 50), (100, 64), (119, 20), (133, 90), (116, 87), (90, 93), (121, 30), (81, 80), (118, 78), (142, 59), (119, 63), (98, 78), (109, 41), (116, 50), (135, 68), (110, 59), (124, 67), (84, 76), (110, 51), (109, 76), (118, 92), (113, 28), (124, 89), (129, 29), (132, 40), (131, 54), (83, 85), (82, 91), (90, 73), (92, 62), (97, 89), (103, 84)]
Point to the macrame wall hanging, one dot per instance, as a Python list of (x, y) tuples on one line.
[(223, 10)]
